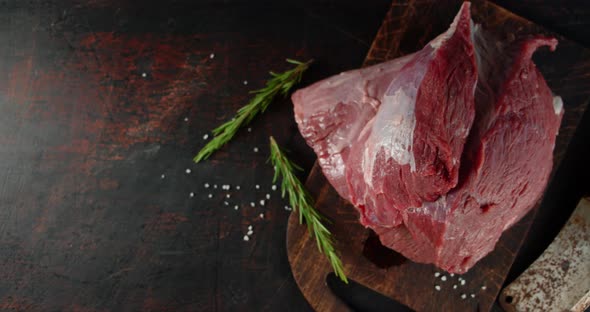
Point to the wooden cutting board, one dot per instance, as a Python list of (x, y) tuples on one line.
[(408, 26)]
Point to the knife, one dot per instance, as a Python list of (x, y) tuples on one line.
[(559, 280), (362, 299)]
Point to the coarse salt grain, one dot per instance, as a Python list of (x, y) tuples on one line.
[(143, 75), (257, 186), (472, 295), (436, 274), (262, 202), (437, 287), (483, 287), (187, 171), (212, 55), (463, 296), (256, 150), (246, 238), (191, 194), (227, 195), (185, 118), (206, 185), (250, 232), (226, 203), (443, 278), (252, 204), (214, 186), (454, 286), (205, 137), (462, 282), (452, 274), (249, 227), (274, 187), (261, 216), (163, 176), (287, 208), (210, 195), (267, 196), (236, 207), (237, 187), (245, 82), (249, 129)]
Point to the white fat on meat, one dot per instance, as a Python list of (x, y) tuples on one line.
[(557, 105), (438, 41), (392, 132)]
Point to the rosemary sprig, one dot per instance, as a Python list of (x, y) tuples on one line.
[(278, 84), (302, 202)]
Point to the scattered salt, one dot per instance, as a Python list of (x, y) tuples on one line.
[(463, 296), (274, 187), (261, 216), (287, 208), (252, 204), (187, 171), (236, 207), (191, 194), (212, 55), (436, 274), (454, 286), (237, 187), (483, 287), (472, 295), (462, 282), (226, 203), (267, 196), (443, 278), (214, 186), (437, 287), (257, 186), (143, 75), (185, 118), (262, 202), (210, 195), (206, 185), (256, 150), (246, 238), (227, 195), (163, 176), (452, 274), (249, 129), (206, 136), (250, 232), (245, 82), (249, 227)]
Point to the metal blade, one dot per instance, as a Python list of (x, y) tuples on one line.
[(362, 299)]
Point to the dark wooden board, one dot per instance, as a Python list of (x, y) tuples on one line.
[(408, 26)]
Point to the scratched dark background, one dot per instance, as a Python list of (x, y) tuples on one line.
[(87, 223)]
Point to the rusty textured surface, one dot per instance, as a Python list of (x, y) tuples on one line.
[(560, 279)]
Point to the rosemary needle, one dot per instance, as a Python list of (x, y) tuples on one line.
[(301, 201), (280, 83)]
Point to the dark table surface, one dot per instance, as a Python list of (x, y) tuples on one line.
[(102, 106)]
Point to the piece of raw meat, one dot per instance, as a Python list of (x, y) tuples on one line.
[(396, 140), (390, 136)]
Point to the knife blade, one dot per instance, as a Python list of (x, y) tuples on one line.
[(362, 299)]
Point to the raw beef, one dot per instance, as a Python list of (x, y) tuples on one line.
[(441, 150)]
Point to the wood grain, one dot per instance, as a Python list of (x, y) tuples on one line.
[(408, 26)]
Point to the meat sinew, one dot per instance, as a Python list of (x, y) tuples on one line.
[(441, 150)]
